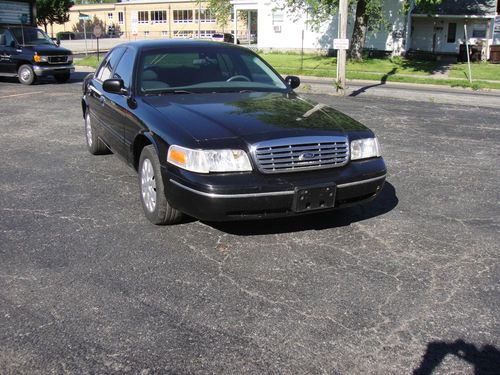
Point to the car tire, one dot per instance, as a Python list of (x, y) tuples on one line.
[(26, 75), (62, 77), (94, 143), (152, 191)]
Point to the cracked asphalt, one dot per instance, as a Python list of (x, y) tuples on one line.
[(408, 284)]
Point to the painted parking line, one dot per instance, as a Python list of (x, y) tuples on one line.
[(24, 93)]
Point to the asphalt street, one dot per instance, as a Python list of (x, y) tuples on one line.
[(408, 284)]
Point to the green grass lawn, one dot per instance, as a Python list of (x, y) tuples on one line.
[(88, 61), (326, 66), (392, 69), (479, 71)]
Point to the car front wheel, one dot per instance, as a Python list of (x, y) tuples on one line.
[(26, 75), (152, 192), (94, 144)]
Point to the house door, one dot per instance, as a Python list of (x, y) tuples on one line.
[(438, 40)]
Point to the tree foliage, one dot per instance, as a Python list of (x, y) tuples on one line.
[(221, 9), (52, 11), (369, 16)]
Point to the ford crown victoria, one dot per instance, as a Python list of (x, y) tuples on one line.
[(216, 133)]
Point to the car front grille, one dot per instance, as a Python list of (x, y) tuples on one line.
[(301, 153), (58, 59)]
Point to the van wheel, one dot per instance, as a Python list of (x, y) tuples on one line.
[(26, 75), (152, 192)]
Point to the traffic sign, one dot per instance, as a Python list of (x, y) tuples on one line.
[(341, 44), (97, 31), (84, 17)]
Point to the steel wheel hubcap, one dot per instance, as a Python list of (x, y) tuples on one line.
[(148, 185), (25, 74), (88, 130)]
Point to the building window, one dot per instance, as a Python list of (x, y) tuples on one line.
[(479, 31), (278, 16), (452, 32), (207, 33), (205, 15), (183, 16), (110, 16), (143, 16), (120, 18), (146, 33), (184, 34), (159, 16)]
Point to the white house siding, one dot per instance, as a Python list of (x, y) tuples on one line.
[(424, 28), (287, 34)]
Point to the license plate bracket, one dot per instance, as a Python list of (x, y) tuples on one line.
[(314, 198)]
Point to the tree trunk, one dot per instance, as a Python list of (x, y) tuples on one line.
[(359, 32)]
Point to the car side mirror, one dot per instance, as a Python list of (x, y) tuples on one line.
[(114, 86), (292, 81)]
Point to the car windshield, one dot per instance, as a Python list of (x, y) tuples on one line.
[(31, 36), (205, 69)]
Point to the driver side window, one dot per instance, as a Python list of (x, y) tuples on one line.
[(5, 38)]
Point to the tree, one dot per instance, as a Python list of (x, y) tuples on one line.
[(52, 11), (369, 16), (90, 24), (221, 10)]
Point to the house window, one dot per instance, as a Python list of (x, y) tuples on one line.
[(479, 31), (278, 16), (205, 15), (159, 16), (120, 18), (183, 16), (452, 32), (110, 16), (143, 16)]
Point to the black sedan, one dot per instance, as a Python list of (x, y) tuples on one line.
[(214, 132)]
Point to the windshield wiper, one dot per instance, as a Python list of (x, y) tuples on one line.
[(167, 92)]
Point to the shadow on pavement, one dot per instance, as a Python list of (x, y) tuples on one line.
[(486, 360), (76, 77), (385, 202), (383, 80)]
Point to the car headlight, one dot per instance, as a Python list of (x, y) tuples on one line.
[(365, 148), (206, 161), (39, 58)]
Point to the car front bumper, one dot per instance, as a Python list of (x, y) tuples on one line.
[(42, 70), (225, 197)]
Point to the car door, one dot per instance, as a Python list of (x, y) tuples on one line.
[(7, 52), (99, 105), (118, 107)]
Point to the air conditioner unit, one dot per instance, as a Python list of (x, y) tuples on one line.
[(277, 29)]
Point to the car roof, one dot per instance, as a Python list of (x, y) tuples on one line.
[(153, 44)]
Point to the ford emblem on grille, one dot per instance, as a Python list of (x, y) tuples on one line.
[(306, 155)]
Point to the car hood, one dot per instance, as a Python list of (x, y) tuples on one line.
[(48, 50), (251, 116)]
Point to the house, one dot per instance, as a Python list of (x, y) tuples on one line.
[(280, 28), (443, 30)]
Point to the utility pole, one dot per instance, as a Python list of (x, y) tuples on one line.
[(342, 51)]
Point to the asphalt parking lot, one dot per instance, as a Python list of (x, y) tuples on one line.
[(409, 283)]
